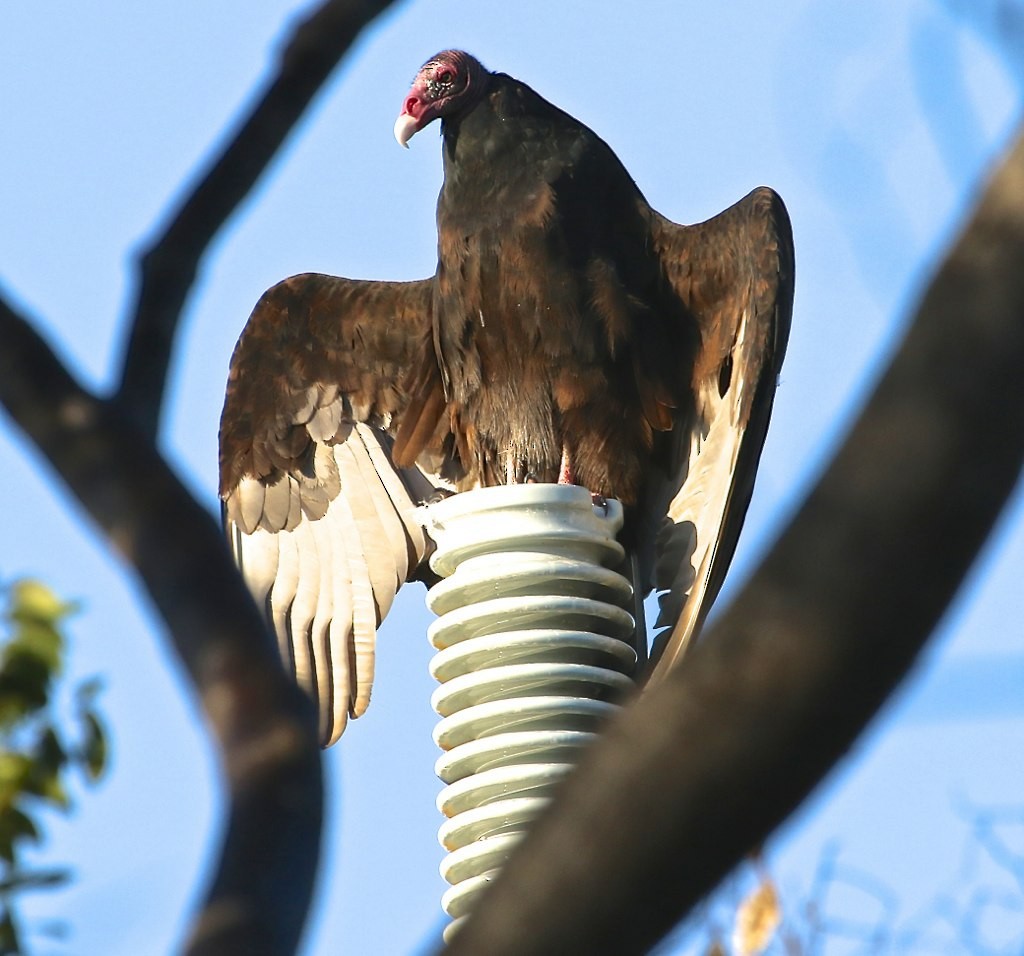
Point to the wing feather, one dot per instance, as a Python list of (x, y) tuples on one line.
[(333, 586), (305, 597), (338, 679), (386, 513), (406, 488), (320, 520), (280, 601), (735, 276), (370, 535)]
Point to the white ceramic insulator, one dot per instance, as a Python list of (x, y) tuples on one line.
[(532, 656)]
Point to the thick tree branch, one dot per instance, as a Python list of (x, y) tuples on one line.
[(705, 765), (168, 267), (264, 724)]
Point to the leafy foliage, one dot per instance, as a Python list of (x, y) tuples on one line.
[(36, 754)]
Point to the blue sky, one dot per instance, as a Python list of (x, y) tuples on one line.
[(873, 120)]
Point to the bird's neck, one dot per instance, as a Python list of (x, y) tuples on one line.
[(491, 130)]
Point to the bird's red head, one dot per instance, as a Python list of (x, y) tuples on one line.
[(446, 84)]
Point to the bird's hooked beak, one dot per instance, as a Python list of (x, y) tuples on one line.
[(406, 126), (416, 113)]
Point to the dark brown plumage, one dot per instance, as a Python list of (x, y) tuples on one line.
[(570, 332)]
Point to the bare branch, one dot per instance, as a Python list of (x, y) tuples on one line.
[(168, 267), (264, 724), (104, 452), (703, 767)]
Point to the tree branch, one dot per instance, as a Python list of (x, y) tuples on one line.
[(104, 451), (707, 764), (264, 724), (168, 266)]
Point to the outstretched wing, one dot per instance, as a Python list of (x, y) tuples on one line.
[(735, 275), (318, 516)]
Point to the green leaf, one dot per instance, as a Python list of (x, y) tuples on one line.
[(33, 756), (24, 687), (14, 826), (33, 601), (20, 825), (94, 747), (47, 763), (37, 640), (50, 752), (51, 788), (15, 769)]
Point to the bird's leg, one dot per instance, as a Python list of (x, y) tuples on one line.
[(565, 469), (566, 477)]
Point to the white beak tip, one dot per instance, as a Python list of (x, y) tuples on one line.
[(405, 129)]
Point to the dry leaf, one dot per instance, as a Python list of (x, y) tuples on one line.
[(757, 919)]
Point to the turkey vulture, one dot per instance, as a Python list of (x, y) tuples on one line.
[(570, 333)]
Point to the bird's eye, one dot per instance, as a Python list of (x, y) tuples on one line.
[(445, 77)]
